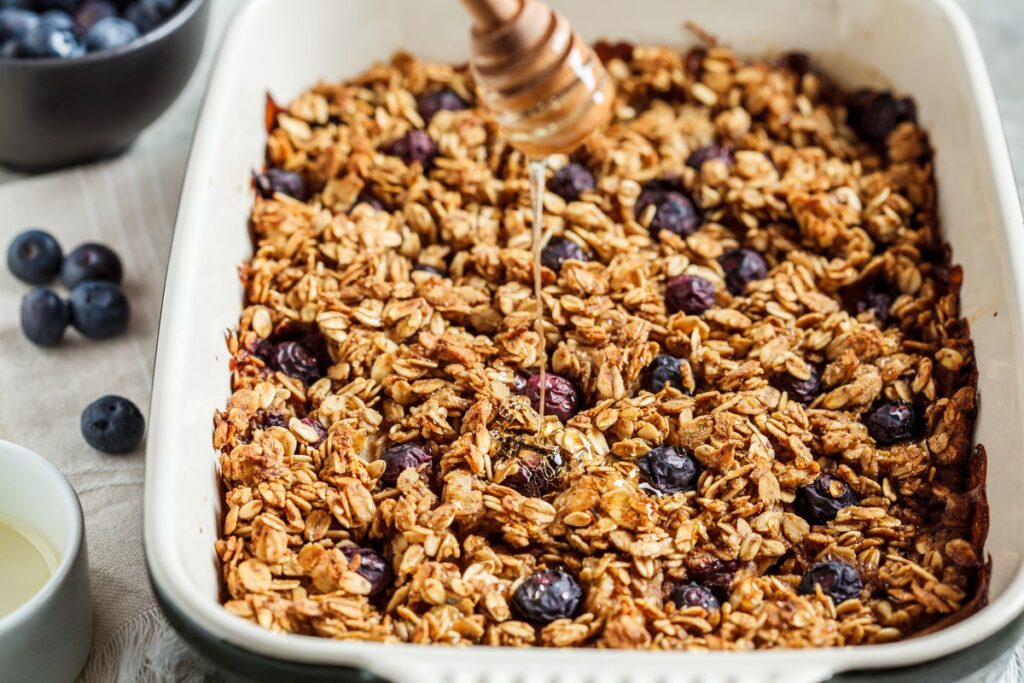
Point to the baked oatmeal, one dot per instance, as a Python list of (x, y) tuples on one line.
[(759, 393)]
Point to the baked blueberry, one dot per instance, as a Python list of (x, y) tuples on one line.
[(674, 211), (44, 317), (558, 250), (47, 39), (371, 566), (547, 595), (561, 397), (837, 579), (699, 156), (296, 359), (34, 256), (91, 11), (663, 370), (694, 595), (690, 294), (892, 423), (275, 180), (874, 114), (99, 309), (15, 23), (742, 266), (538, 473), (316, 426), (148, 14), (713, 574), (402, 456), (820, 501), (272, 419), (802, 390), (91, 262), (668, 470), (106, 34), (572, 180), (872, 293), (414, 146), (113, 424), (444, 99)]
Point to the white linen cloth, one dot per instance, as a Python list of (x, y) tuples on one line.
[(129, 203)]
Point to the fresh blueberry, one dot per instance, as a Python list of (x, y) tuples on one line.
[(694, 595), (148, 14), (316, 426), (106, 34), (445, 99), (372, 566), (558, 250), (820, 501), (296, 359), (401, 457), (99, 309), (49, 40), (572, 180), (668, 470), (44, 317), (663, 370), (91, 261), (892, 423), (113, 424), (18, 4), (92, 11), (57, 18), (561, 398), (699, 156), (874, 114), (539, 470), (424, 268), (872, 293), (278, 180), (837, 579), (66, 6), (15, 23), (34, 256), (547, 595), (674, 211), (414, 146), (690, 294), (802, 390), (742, 266)]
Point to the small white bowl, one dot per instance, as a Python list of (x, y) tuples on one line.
[(47, 639)]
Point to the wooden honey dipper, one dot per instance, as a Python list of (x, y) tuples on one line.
[(546, 87)]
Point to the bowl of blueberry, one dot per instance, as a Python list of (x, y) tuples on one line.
[(80, 79)]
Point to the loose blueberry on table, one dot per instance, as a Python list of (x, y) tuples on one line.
[(113, 424), (547, 595), (91, 262), (99, 309), (35, 257), (44, 317)]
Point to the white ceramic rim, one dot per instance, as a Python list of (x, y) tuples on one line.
[(167, 573), (60, 489)]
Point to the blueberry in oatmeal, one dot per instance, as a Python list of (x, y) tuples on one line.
[(572, 180), (91, 261), (742, 266), (820, 501), (112, 424), (561, 398), (317, 428), (892, 423), (400, 457), (99, 309), (874, 114), (668, 470), (44, 317), (674, 211), (545, 596), (538, 472), (802, 390), (837, 579), (708, 152), (694, 595), (34, 256), (689, 294), (444, 99), (275, 180), (371, 565), (296, 359), (664, 370), (416, 146), (558, 250)]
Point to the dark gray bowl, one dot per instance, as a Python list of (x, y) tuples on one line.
[(58, 112)]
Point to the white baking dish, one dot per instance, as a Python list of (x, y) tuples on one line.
[(923, 47)]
